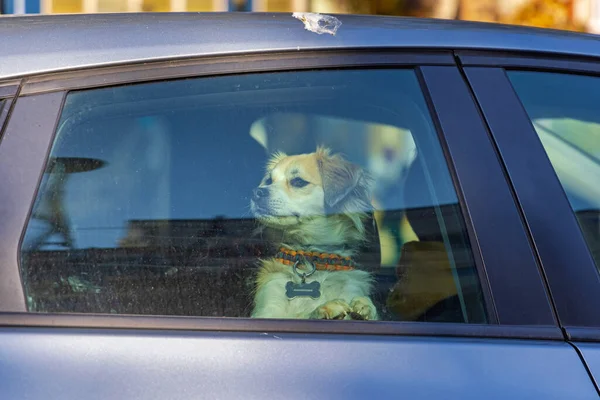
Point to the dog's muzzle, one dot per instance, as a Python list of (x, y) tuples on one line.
[(260, 197), (260, 194)]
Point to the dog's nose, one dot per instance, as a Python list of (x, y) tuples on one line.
[(260, 193)]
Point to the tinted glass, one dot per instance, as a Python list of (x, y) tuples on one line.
[(563, 110), (317, 194), (3, 113)]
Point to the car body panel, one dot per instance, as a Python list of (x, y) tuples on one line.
[(22, 180), (90, 40), (590, 353), (54, 363)]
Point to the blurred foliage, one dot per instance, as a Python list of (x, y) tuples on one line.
[(545, 14), (555, 14), (478, 9), (540, 13), (413, 8)]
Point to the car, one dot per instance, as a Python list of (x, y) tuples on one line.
[(131, 146)]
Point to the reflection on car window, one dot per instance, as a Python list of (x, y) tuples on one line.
[(316, 194), (563, 110)]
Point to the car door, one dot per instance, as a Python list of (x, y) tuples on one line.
[(129, 248), (541, 113)]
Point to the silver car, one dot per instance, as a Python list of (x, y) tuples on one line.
[(134, 151)]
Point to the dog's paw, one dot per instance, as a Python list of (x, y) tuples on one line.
[(363, 308), (335, 309)]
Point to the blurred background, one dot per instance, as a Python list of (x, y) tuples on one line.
[(574, 15)]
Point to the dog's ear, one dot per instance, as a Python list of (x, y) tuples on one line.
[(341, 179)]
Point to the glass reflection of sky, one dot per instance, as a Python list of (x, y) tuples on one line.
[(199, 163)]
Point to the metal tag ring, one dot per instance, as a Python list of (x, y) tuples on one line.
[(304, 274)]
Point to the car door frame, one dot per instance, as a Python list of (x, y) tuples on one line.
[(559, 247), (517, 308)]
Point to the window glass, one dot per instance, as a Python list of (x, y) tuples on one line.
[(563, 110), (4, 106), (315, 194), (2, 111)]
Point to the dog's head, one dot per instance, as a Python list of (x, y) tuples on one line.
[(316, 196)]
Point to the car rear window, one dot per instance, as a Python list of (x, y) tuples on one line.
[(313, 194)]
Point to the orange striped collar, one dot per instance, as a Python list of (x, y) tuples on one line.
[(321, 261)]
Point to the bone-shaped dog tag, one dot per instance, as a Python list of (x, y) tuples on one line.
[(312, 289)]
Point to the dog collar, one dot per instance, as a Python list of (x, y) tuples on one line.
[(321, 261)]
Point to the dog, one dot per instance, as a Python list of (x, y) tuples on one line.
[(315, 207), (389, 152)]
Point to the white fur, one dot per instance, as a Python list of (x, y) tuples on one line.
[(272, 302), (299, 221)]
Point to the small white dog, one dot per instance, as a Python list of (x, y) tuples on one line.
[(315, 206)]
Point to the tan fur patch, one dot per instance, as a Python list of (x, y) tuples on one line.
[(275, 159), (298, 219)]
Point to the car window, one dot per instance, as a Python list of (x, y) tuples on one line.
[(562, 108), (4, 108), (313, 194), (3, 112)]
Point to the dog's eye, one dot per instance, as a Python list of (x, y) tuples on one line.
[(298, 182), (268, 181)]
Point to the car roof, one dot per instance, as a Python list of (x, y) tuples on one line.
[(34, 44)]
